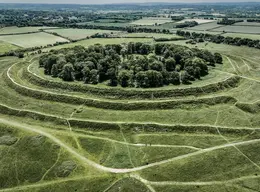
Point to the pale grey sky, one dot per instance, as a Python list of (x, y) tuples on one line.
[(118, 1)]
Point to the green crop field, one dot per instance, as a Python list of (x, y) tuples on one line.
[(32, 40), (76, 34), (69, 136), (5, 47)]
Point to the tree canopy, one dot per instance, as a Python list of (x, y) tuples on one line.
[(129, 65)]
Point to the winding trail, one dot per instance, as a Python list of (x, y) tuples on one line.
[(127, 143), (115, 170), (42, 184), (241, 76), (193, 183)]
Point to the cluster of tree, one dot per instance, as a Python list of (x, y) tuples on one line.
[(187, 24), (177, 18), (237, 41), (226, 21), (163, 39), (253, 20), (129, 65), (129, 29)]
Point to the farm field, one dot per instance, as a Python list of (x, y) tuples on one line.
[(70, 140), (242, 35), (239, 29), (32, 40), (247, 24), (206, 26), (5, 47), (14, 30), (102, 41), (76, 34), (151, 21)]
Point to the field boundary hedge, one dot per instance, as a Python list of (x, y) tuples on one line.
[(144, 105), (121, 93), (22, 33), (131, 126)]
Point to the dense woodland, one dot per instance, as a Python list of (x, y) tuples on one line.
[(129, 65), (237, 41)]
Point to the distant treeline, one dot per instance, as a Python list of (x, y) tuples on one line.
[(237, 41), (187, 24), (129, 29)]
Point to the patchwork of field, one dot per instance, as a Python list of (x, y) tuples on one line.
[(5, 47), (32, 40), (76, 34), (152, 21), (14, 30), (199, 137), (239, 29)]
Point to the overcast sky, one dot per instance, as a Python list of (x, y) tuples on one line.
[(115, 1)]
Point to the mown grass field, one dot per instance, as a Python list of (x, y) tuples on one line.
[(5, 47), (76, 34), (32, 40), (55, 139)]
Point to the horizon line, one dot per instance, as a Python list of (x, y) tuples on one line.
[(132, 3)]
